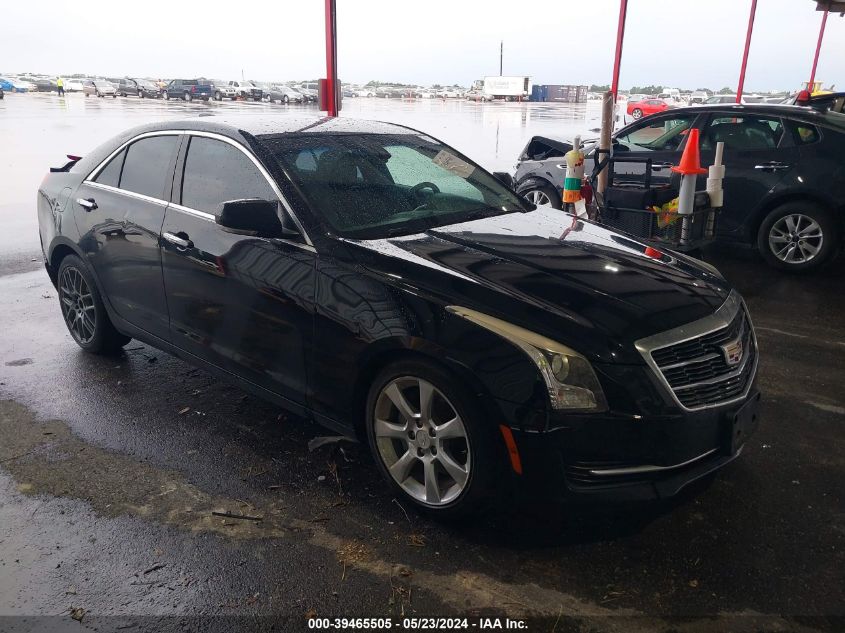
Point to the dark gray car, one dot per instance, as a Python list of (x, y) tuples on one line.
[(784, 184)]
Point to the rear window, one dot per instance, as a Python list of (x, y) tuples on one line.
[(804, 133), (110, 175), (147, 165), (190, 82)]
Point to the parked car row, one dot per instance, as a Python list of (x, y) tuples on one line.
[(183, 89)]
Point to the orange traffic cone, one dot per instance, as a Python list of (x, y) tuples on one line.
[(690, 160)]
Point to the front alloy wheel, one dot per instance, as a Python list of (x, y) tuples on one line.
[(433, 439), (637, 113), (539, 198), (541, 193), (422, 441)]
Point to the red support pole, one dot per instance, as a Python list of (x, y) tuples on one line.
[(620, 36), (745, 54), (818, 50), (331, 59)]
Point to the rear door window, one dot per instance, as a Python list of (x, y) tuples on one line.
[(216, 172), (146, 169), (743, 133)]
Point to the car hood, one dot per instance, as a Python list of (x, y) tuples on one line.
[(569, 279)]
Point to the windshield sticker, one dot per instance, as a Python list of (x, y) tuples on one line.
[(450, 162)]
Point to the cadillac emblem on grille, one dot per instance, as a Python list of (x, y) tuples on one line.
[(733, 352)]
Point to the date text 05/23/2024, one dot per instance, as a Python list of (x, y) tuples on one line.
[(430, 624)]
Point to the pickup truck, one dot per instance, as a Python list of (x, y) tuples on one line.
[(235, 89), (187, 89)]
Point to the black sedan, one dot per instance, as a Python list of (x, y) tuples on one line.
[(784, 183), (377, 281)]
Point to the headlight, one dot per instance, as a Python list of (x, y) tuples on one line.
[(569, 377)]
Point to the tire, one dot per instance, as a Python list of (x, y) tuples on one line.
[(286, 100), (218, 96), (637, 113), (465, 467), (99, 96), (798, 236), (83, 311), (165, 96), (188, 97), (114, 96), (140, 94), (540, 193)]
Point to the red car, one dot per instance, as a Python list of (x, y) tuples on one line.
[(639, 109)]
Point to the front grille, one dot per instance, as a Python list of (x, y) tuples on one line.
[(697, 369)]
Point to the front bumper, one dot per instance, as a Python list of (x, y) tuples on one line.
[(610, 458)]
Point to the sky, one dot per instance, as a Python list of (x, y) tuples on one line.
[(674, 43)]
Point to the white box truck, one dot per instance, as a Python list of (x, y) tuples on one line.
[(510, 88)]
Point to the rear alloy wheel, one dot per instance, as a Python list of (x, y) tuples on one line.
[(165, 96), (797, 236), (286, 99), (637, 113), (83, 310), (427, 441), (188, 96), (541, 194), (218, 96)]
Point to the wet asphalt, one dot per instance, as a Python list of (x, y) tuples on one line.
[(111, 470)]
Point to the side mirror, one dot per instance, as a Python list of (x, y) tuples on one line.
[(252, 216), (505, 178)]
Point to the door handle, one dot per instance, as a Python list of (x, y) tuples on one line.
[(180, 242), (772, 166), (87, 204)]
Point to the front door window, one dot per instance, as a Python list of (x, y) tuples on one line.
[(658, 134)]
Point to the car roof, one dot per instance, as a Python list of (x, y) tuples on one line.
[(800, 113), (267, 125)]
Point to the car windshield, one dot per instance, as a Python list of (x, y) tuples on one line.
[(370, 186)]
